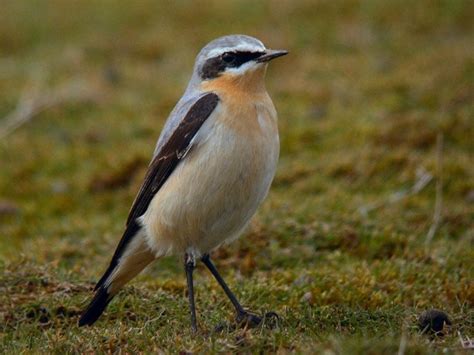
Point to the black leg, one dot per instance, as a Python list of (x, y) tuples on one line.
[(189, 265), (243, 316)]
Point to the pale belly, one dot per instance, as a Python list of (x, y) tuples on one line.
[(212, 195)]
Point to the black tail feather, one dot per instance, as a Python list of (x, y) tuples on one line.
[(96, 307), (130, 232)]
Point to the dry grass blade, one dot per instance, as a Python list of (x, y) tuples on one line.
[(467, 343), (31, 103), (423, 179), (439, 190)]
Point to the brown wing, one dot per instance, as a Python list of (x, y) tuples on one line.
[(160, 169)]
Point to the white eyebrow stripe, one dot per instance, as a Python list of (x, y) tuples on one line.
[(243, 68), (241, 47)]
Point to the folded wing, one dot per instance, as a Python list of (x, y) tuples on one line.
[(132, 254)]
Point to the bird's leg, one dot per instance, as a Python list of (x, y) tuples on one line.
[(189, 265), (243, 316)]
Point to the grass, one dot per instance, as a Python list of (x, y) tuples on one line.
[(368, 87)]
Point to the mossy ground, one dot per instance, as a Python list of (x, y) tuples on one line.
[(363, 96)]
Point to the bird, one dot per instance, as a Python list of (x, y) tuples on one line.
[(212, 167)]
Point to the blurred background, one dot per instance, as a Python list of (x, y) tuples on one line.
[(370, 217)]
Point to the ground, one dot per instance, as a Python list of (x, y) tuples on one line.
[(369, 221)]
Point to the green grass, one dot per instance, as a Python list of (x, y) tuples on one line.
[(367, 89)]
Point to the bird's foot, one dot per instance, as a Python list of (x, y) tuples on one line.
[(248, 319), (251, 320)]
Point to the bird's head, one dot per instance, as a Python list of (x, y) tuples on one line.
[(236, 59)]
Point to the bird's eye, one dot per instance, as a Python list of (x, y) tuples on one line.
[(228, 57)]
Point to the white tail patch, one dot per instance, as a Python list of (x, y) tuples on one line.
[(135, 258)]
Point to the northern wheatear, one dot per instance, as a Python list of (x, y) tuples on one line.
[(213, 165)]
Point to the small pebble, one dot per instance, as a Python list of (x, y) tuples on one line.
[(433, 321), (307, 297)]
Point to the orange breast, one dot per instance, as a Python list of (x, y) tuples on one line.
[(242, 98)]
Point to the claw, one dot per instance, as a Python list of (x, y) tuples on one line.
[(249, 320), (252, 320)]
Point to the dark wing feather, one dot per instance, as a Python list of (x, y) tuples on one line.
[(160, 169)]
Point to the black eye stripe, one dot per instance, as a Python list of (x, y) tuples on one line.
[(243, 57), (213, 67)]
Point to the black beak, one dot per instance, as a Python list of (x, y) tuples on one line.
[(271, 54)]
